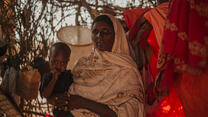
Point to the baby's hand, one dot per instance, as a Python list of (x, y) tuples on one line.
[(56, 74), (68, 94)]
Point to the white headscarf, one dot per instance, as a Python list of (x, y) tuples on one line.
[(111, 78), (120, 44)]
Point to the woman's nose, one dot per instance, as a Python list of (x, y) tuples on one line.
[(98, 34)]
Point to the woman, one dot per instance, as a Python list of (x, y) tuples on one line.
[(183, 60), (107, 83)]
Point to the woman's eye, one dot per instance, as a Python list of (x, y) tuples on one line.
[(103, 32), (95, 32), (106, 32)]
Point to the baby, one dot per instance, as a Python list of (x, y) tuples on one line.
[(55, 84)]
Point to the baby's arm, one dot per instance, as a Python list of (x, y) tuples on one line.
[(49, 88)]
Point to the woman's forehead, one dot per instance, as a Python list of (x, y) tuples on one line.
[(101, 24)]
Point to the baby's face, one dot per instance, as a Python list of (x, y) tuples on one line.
[(58, 62)]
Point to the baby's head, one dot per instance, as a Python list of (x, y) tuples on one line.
[(59, 56)]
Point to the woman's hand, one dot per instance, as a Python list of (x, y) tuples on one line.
[(78, 102)]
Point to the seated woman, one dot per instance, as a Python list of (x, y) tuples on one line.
[(107, 82)]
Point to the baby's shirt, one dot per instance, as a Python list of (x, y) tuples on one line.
[(62, 84)]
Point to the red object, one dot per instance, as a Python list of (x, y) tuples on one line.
[(168, 107), (156, 16), (155, 47), (185, 40), (171, 105), (47, 115), (184, 55), (132, 15), (193, 93)]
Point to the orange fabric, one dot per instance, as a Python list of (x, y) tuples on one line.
[(193, 92), (156, 17)]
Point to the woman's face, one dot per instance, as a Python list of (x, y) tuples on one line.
[(103, 36)]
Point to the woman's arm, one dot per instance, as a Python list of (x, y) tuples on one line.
[(78, 102)]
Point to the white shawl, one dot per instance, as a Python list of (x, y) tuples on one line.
[(111, 78)]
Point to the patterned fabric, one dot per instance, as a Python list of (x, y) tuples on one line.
[(110, 78), (183, 56), (156, 16), (185, 45)]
